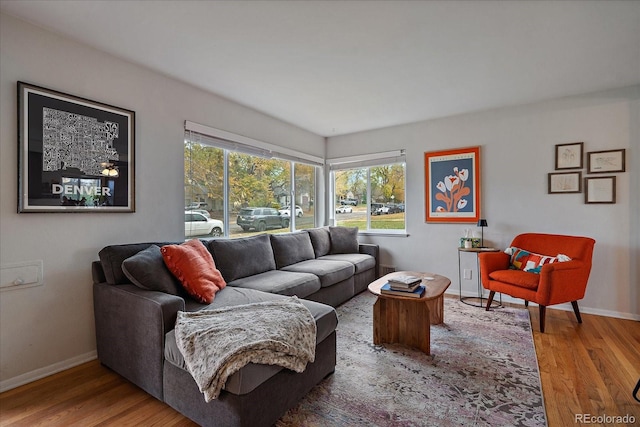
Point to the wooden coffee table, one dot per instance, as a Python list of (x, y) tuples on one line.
[(407, 320)]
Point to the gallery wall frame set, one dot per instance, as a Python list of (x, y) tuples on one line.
[(452, 185), (74, 154), (598, 189)]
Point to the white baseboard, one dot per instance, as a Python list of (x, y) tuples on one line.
[(565, 307), (46, 371)]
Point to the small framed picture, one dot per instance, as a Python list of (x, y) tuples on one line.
[(565, 182), (605, 161), (569, 156), (600, 189)]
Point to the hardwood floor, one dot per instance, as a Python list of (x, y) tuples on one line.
[(585, 369)]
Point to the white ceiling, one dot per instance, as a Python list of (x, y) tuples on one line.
[(336, 67)]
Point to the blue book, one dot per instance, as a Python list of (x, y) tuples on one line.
[(417, 293)]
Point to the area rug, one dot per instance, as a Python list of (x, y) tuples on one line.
[(482, 371)]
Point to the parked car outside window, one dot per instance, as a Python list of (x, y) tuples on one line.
[(352, 202), (261, 219), (344, 209), (286, 211), (201, 211), (393, 208), (196, 224), (382, 210), (375, 207)]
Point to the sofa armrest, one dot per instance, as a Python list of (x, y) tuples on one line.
[(131, 324), (374, 251)]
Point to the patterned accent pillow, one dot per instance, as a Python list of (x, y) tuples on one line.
[(193, 265), (531, 262)]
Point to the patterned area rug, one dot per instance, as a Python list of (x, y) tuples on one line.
[(482, 372)]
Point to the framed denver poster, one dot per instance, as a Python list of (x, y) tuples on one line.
[(74, 155), (452, 183)]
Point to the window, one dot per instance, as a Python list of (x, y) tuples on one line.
[(369, 192), (249, 188)]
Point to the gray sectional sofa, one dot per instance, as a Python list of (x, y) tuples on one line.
[(136, 301)]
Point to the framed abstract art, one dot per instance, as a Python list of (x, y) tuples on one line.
[(452, 185)]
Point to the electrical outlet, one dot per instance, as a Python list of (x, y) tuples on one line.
[(467, 274)]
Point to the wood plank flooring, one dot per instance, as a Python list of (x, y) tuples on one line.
[(585, 369)]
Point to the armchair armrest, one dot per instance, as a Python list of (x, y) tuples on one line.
[(562, 282), (490, 262), (131, 324)]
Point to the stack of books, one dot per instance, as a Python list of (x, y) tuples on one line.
[(404, 286)]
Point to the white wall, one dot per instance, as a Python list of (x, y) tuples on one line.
[(48, 328), (517, 151)]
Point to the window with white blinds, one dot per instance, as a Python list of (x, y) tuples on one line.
[(251, 186), (369, 192)]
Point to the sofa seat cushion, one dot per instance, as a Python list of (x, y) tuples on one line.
[(281, 282), (516, 278), (329, 272), (252, 375), (362, 262)]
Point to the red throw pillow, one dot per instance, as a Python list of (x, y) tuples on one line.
[(193, 265)]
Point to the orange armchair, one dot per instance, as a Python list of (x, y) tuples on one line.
[(556, 283)]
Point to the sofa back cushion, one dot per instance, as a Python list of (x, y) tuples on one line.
[(111, 258), (247, 256), (291, 248), (575, 247), (344, 240), (320, 240)]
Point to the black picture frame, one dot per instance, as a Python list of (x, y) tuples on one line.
[(569, 156), (600, 190), (608, 161), (74, 154), (564, 182)]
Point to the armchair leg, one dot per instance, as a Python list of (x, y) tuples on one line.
[(543, 310), (576, 310), (490, 299)]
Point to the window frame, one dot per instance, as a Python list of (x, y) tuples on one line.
[(232, 143), (367, 161)]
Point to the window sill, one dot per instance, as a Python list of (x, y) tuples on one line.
[(384, 233)]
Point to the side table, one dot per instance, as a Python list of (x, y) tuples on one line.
[(476, 251)]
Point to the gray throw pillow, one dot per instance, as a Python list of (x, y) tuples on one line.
[(147, 270), (344, 240), (320, 240), (291, 248)]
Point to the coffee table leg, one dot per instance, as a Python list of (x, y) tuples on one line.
[(436, 308), (402, 321)]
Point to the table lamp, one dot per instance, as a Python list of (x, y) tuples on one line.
[(482, 223)]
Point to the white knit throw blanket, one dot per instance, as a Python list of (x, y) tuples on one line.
[(217, 343)]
